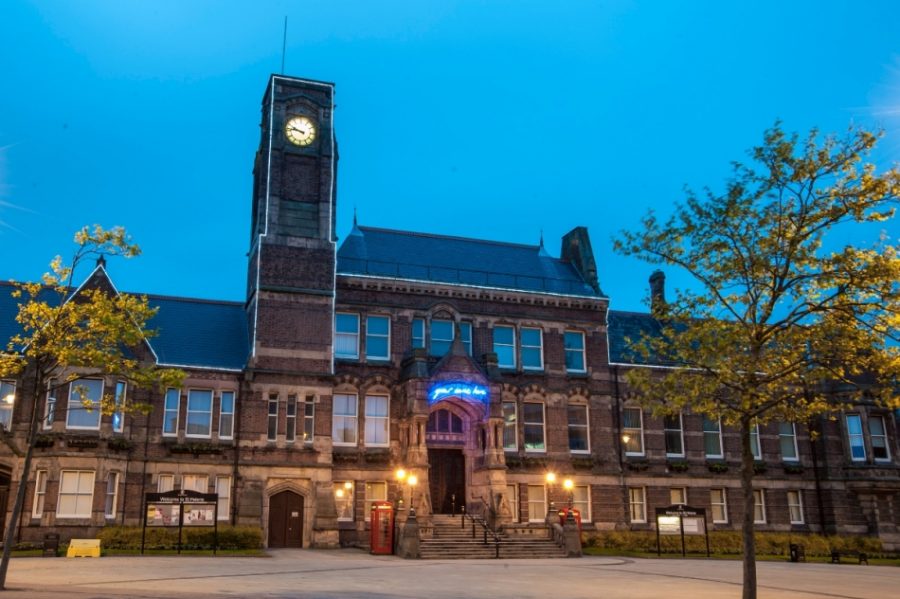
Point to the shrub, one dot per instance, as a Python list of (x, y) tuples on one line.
[(230, 537), (728, 542)]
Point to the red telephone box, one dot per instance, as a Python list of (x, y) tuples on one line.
[(381, 532), (576, 513)]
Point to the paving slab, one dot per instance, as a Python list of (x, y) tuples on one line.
[(352, 574)]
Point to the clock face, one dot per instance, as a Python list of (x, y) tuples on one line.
[(300, 130)]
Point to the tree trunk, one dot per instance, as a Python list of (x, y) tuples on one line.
[(747, 529), (20, 492)]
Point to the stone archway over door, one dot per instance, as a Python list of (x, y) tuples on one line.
[(285, 520)]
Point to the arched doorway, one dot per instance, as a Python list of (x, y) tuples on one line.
[(445, 439), (285, 520)]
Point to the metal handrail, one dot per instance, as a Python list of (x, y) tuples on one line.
[(486, 530)]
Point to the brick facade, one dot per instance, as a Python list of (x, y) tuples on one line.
[(291, 398)]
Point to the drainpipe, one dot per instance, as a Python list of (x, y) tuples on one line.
[(127, 464), (617, 419), (820, 502), (235, 465), (144, 469)]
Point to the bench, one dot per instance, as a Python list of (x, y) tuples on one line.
[(84, 548), (861, 555)]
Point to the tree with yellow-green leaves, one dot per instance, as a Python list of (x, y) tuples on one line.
[(68, 334), (782, 324)]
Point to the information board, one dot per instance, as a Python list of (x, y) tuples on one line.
[(179, 509)]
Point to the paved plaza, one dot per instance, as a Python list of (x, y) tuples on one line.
[(352, 574)]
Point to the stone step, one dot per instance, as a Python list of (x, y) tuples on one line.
[(451, 540)]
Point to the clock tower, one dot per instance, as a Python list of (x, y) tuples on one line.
[(291, 282)]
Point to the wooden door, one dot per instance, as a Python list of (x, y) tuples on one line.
[(285, 520), (447, 478)]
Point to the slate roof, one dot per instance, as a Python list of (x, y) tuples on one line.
[(200, 333), (191, 332), (623, 327), (458, 260)]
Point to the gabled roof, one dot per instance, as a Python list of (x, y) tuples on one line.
[(457, 260), (192, 333)]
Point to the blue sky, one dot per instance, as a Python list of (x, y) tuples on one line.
[(473, 118)]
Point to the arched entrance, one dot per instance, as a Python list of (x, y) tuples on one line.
[(446, 440), (286, 520)]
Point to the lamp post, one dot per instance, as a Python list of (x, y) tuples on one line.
[(412, 480), (550, 477), (569, 486), (400, 476)]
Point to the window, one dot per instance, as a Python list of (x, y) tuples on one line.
[(637, 504), (718, 505), (510, 427), (272, 422), (50, 409), (377, 420), (712, 438), (537, 503), (633, 431), (505, 346), (7, 401), (855, 434), (195, 482), (418, 333), (574, 345), (441, 336), (532, 349), (343, 500), (199, 413), (223, 488), (533, 416), (84, 404), (754, 441), (878, 437), (165, 483), (118, 417), (378, 338), (512, 495), (795, 507), (374, 492), (170, 413), (40, 493), (759, 506), (581, 501), (787, 438), (226, 415), (112, 494), (465, 335), (309, 410), (674, 435), (444, 421), (677, 496), (343, 420), (346, 336), (290, 428), (578, 429), (76, 494)]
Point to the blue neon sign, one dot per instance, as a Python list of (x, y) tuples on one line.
[(463, 390)]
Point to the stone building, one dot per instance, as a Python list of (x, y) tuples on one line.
[(477, 366)]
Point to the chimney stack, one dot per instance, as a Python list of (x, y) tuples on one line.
[(657, 291)]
